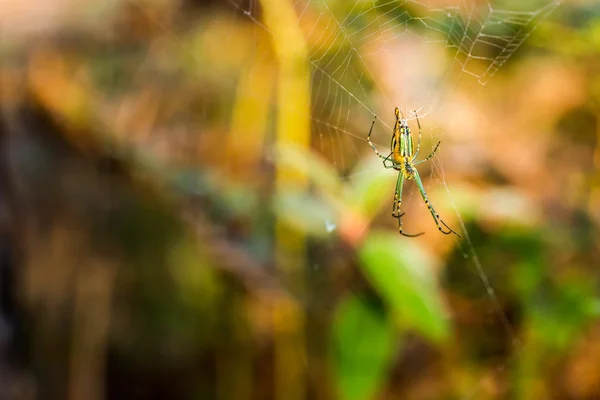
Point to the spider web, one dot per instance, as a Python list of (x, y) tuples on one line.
[(350, 43), (369, 56)]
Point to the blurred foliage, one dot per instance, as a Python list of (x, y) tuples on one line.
[(362, 360), (402, 274), (176, 225)]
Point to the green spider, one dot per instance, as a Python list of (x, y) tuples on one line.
[(403, 159)]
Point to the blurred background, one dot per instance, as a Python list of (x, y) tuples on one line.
[(189, 208)]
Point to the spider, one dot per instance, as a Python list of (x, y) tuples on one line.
[(402, 159)]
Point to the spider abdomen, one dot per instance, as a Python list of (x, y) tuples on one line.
[(407, 169)]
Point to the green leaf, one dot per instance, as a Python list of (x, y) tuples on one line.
[(402, 273), (364, 342)]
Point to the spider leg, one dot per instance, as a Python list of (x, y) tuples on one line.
[(398, 197), (420, 134), (398, 204), (388, 159), (429, 156), (371, 143), (434, 214)]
